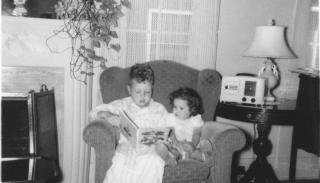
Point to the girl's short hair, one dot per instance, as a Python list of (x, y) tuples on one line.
[(141, 73), (192, 97)]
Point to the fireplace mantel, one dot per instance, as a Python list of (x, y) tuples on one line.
[(32, 21), (28, 40)]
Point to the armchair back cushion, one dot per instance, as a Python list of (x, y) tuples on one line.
[(169, 76)]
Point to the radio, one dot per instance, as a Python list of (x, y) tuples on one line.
[(243, 89)]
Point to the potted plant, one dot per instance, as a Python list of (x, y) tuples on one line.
[(89, 24)]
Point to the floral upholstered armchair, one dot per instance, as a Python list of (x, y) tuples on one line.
[(225, 139)]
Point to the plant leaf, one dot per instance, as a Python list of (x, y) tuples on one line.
[(118, 14), (115, 47), (91, 56), (98, 58), (85, 59), (113, 34), (90, 51), (96, 43), (118, 7), (107, 40), (113, 21), (90, 73), (126, 3), (110, 2), (103, 64)]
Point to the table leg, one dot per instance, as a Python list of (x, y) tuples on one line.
[(293, 159), (260, 171)]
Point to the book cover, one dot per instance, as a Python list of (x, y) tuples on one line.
[(137, 136)]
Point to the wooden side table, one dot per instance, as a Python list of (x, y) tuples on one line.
[(283, 114), (306, 134)]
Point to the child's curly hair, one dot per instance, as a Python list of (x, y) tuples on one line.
[(192, 97), (141, 73)]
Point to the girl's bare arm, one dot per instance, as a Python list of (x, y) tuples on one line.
[(196, 136)]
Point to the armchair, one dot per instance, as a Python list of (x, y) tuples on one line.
[(169, 76)]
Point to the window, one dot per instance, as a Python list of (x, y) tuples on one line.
[(168, 35), (171, 30)]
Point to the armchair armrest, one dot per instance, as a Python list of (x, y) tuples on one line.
[(226, 139), (102, 136)]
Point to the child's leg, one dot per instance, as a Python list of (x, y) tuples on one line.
[(205, 145), (204, 151), (162, 150), (186, 148)]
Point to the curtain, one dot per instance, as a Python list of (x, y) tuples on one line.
[(183, 31), (307, 33)]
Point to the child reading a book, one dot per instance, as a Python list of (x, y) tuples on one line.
[(187, 122), (135, 164)]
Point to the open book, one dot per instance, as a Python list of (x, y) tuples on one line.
[(137, 136)]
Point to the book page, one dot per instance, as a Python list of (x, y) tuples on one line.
[(128, 128), (150, 136), (137, 136)]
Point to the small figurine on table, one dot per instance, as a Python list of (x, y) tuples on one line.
[(19, 10)]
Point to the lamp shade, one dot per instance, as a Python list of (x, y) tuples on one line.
[(269, 42)]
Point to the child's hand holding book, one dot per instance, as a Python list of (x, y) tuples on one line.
[(112, 118)]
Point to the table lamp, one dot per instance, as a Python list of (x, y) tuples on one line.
[(269, 42)]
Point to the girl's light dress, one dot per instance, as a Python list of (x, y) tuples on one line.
[(140, 165), (184, 128)]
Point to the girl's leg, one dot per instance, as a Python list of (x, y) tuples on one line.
[(163, 151), (205, 145), (204, 151)]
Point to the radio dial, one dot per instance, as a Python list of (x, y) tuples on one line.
[(244, 99), (253, 100)]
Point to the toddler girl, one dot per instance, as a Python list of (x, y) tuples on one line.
[(186, 121), (141, 164)]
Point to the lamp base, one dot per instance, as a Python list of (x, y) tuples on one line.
[(270, 72)]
